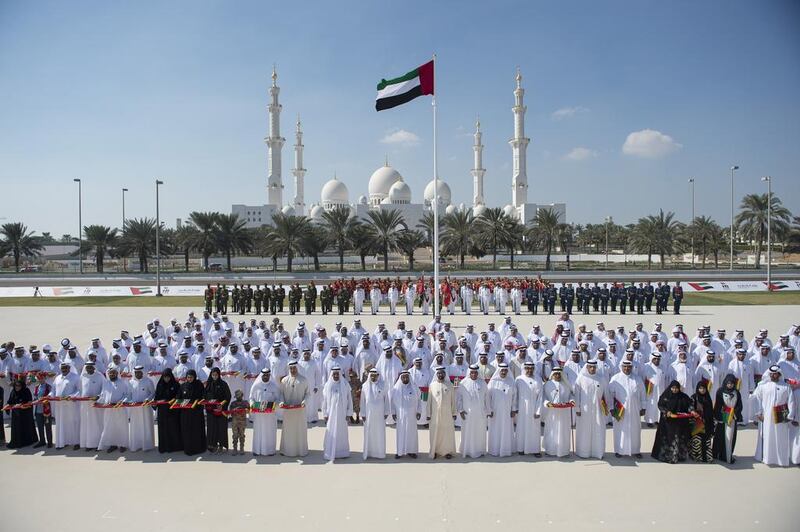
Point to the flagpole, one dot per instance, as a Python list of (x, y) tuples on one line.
[(435, 209)]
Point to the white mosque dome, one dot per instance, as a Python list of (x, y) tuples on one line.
[(362, 199), (381, 181), (450, 209), (386, 201), (316, 213), (443, 190), (510, 211), (478, 210), (334, 192), (400, 192), (288, 210)]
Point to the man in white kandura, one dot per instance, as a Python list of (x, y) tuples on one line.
[(294, 431), (590, 411), (115, 420), (264, 397), (441, 414), (627, 398), (337, 406), (405, 398), (374, 410), (502, 403), (141, 418), (91, 418), (557, 394), (65, 411), (775, 409), (472, 404), (529, 410)]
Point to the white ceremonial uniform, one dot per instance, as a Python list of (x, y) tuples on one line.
[(529, 409), (774, 445), (440, 410), (557, 421), (66, 413)]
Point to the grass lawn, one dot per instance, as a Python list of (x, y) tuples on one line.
[(691, 299)]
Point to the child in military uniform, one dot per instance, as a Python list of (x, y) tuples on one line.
[(239, 416)]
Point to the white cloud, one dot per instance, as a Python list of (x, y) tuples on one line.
[(400, 137), (580, 154), (649, 144), (568, 112)]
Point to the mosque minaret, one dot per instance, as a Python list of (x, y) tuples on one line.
[(274, 146), (299, 172), (519, 147)]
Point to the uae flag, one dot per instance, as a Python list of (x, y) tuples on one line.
[(397, 91)]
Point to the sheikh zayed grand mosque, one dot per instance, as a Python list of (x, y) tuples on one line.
[(387, 189)]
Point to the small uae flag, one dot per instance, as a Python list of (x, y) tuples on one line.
[(701, 287), (397, 91), (423, 393), (619, 410), (141, 290)]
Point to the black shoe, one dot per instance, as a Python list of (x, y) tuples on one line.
[(49, 445), (650, 425), (397, 457), (76, 447), (448, 456), (40, 444), (618, 455), (413, 455), (537, 455), (111, 449), (638, 456)]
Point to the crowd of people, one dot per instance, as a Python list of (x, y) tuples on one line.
[(484, 295), (554, 392)]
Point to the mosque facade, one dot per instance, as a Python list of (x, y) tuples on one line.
[(387, 189)]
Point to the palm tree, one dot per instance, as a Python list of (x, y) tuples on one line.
[(287, 236), (702, 230), (792, 243), (656, 235), (545, 231), (491, 228), (751, 222), (101, 240), (642, 239), (19, 242), (458, 234), (363, 243), (314, 243), (408, 242), (265, 244), (513, 239), (233, 236), (386, 227), (339, 225), (185, 238), (565, 236), (206, 239), (139, 238)]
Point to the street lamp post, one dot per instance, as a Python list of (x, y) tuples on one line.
[(733, 169), (608, 222), (124, 260), (691, 185), (158, 243), (768, 179), (80, 225)]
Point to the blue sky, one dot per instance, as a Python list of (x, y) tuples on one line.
[(119, 93)]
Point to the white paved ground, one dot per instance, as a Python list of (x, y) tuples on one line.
[(75, 490)]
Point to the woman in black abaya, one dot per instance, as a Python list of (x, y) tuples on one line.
[(727, 414), (193, 426), (169, 419), (672, 435), (700, 444), (23, 429), (216, 422)]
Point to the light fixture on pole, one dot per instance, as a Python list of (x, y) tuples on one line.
[(691, 185), (158, 243), (768, 179), (608, 222), (733, 169), (80, 225)]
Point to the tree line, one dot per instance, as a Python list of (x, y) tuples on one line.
[(383, 232)]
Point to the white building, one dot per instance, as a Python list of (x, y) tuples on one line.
[(386, 188)]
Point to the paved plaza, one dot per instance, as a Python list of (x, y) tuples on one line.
[(135, 491)]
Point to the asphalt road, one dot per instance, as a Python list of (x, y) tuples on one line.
[(325, 277)]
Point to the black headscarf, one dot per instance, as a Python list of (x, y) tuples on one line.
[(217, 390), (674, 402), (725, 392), (192, 390), (167, 390)]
